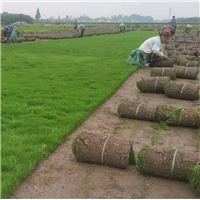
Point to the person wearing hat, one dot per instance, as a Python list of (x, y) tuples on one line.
[(187, 29), (10, 33), (80, 30), (122, 27), (173, 24), (150, 50)]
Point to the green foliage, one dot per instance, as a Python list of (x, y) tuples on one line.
[(140, 85), (156, 137), (141, 157), (160, 126), (74, 144), (194, 178), (131, 157), (37, 15), (7, 18)]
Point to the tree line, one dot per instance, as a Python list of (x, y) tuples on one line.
[(9, 18)]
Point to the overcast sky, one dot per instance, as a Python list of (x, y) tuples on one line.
[(95, 8)]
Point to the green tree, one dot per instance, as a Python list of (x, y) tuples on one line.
[(37, 16)]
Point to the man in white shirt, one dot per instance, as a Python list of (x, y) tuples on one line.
[(80, 30), (122, 27), (150, 51)]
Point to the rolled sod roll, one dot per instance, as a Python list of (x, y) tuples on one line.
[(188, 53), (178, 116), (153, 84), (167, 46), (187, 63), (174, 52), (193, 53), (183, 62), (175, 58), (165, 71), (193, 64), (186, 72), (170, 47), (184, 52), (111, 150), (191, 58), (181, 48), (166, 162), (194, 178), (163, 63), (137, 110), (181, 90)]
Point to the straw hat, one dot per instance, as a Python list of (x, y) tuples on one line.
[(189, 26)]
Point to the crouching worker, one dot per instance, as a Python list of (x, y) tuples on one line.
[(10, 33), (150, 54), (80, 30), (187, 29), (122, 27)]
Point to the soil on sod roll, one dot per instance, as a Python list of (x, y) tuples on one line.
[(137, 110), (163, 63), (186, 72), (178, 116), (192, 58), (175, 58), (180, 90), (165, 71), (110, 150), (189, 63), (173, 52), (169, 162), (153, 84), (189, 53)]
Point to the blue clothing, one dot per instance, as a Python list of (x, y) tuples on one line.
[(173, 25), (8, 30)]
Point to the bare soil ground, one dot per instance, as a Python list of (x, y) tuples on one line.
[(61, 176)]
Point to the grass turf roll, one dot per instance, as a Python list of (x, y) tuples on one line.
[(186, 72), (166, 162), (181, 90), (163, 63), (137, 110), (153, 84), (165, 71), (111, 150), (178, 116)]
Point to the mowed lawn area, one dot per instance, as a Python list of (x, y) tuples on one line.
[(49, 88)]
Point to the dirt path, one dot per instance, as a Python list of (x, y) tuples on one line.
[(61, 176)]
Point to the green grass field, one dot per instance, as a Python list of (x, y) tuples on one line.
[(49, 89)]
